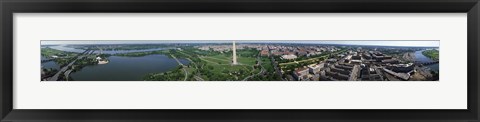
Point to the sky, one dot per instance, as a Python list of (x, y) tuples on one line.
[(405, 43)]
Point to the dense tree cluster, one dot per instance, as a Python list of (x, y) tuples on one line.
[(432, 54), (173, 75)]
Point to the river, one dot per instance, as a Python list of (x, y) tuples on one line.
[(419, 57)]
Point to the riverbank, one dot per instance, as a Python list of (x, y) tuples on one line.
[(140, 54), (432, 54), (122, 68), (410, 56)]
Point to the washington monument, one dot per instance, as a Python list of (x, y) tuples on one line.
[(234, 49)]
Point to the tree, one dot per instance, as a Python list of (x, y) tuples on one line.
[(225, 71)]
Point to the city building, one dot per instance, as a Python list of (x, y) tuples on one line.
[(264, 53), (315, 68)]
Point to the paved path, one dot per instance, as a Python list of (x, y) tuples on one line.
[(194, 63), (196, 67), (183, 67)]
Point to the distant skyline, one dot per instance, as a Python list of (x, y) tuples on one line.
[(402, 43)]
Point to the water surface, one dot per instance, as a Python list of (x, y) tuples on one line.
[(75, 50), (419, 57)]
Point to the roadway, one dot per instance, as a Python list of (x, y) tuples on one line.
[(198, 78), (275, 66)]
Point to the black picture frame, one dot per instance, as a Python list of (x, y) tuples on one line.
[(8, 7)]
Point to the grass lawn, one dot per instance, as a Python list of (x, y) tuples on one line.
[(432, 54)]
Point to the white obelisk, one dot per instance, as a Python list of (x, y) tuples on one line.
[(234, 49)]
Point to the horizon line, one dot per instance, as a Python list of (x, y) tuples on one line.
[(394, 43)]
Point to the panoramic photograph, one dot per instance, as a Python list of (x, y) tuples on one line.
[(240, 60)]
